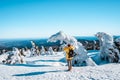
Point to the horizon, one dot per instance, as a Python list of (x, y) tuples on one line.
[(43, 18), (82, 37), (38, 38)]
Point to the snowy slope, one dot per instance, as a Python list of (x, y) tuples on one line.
[(50, 67)]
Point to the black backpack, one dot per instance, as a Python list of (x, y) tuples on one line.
[(71, 53)]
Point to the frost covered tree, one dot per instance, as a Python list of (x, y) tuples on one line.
[(4, 56), (61, 47), (12, 57), (108, 51), (117, 43), (17, 57), (94, 44), (86, 44), (50, 51), (81, 57), (33, 44), (118, 40), (37, 50), (26, 52), (42, 52), (34, 50)]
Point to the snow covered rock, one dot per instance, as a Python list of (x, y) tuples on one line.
[(108, 51), (81, 56)]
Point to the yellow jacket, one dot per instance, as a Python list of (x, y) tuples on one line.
[(66, 49)]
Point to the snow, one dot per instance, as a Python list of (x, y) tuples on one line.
[(50, 51), (107, 49), (117, 40), (51, 67), (43, 50), (81, 52)]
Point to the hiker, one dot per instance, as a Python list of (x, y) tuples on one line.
[(68, 49)]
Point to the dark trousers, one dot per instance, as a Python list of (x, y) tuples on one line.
[(69, 64)]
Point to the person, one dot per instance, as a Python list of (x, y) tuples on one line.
[(68, 58)]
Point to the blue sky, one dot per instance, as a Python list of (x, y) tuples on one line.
[(42, 18)]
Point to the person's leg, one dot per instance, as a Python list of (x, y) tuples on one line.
[(68, 61), (70, 64)]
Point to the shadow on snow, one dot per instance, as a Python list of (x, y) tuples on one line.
[(46, 61), (37, 73), (29, 65)]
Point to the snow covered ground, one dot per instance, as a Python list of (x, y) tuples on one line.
[(51, 67)]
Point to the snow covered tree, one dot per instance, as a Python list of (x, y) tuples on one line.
[(50, 51), (12, 57), (108, 51), (86, 44), (34, 50), (81, 56), (33, 44), (42, 52), (94, 44), (17, 57), (117, 43), (26, 52), (4, 56)]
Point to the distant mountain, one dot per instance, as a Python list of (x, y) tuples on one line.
[(21, 43)]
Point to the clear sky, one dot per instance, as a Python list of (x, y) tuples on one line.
[(42, 18)]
